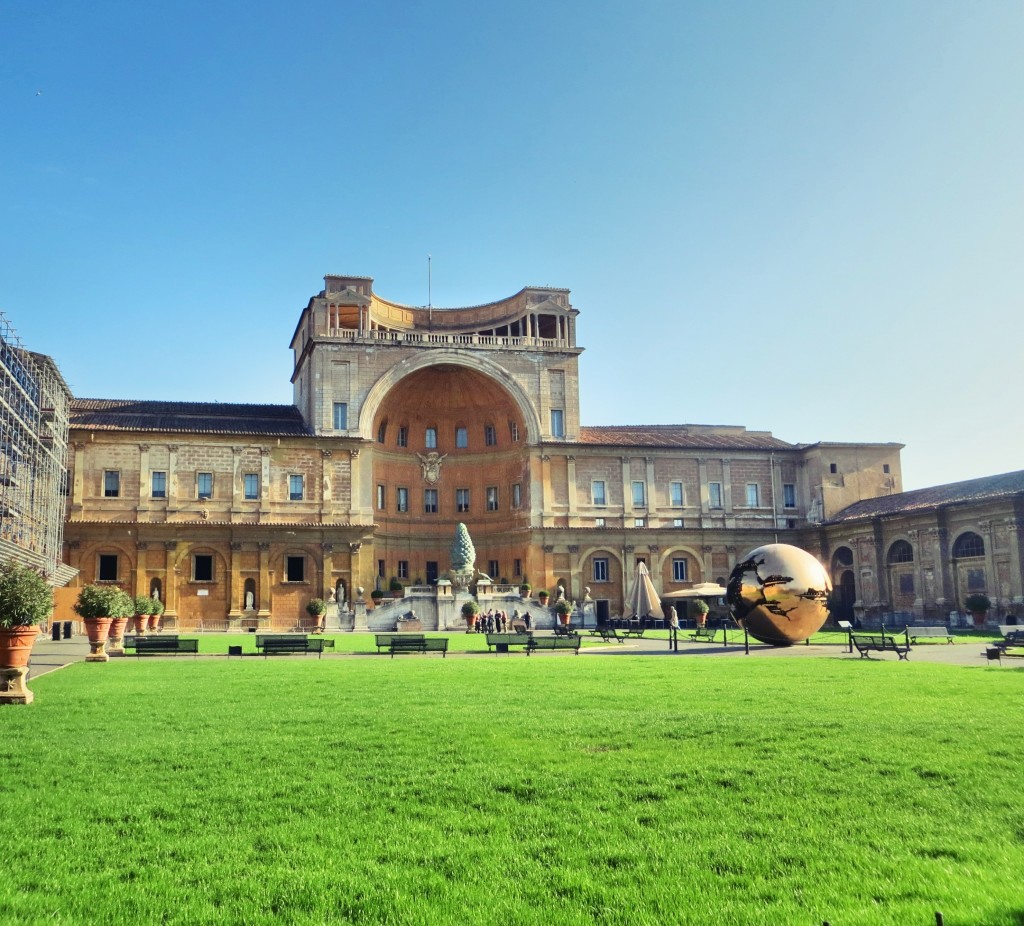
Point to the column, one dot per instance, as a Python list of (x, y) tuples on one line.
[(264, 589), (727, 485), (354, 484), (1015, 530), (627, 490), (628, 569), (77, 485), (649, 488), (236, 481), (170, 578), (545, 488), (575, 579), (172, 477), (702, 479), (918, 607), (264, 482), (358, 600), (325, 482), (707, 564), (327, 576), (144, 477), (571, 488), (235, 586)]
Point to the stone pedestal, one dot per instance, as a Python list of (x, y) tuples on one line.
[(13, 689), (360, 617)]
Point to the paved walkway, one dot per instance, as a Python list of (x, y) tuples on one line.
[(48, 655)]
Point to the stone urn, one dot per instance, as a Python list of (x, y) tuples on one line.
[(115, 637), (97, 629), (15, 650)]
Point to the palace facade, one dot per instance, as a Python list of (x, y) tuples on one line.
[(406, 421)]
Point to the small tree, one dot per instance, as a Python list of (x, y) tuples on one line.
[(26, 598), (317, 607), (977, 603), (144, 605)]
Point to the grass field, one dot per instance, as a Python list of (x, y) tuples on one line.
[(549, 790)]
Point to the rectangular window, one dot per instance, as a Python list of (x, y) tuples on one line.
[(492, 498), (111, 484), (107, 571), (461, 437), (159, 485), (885, 468), (402, 498), (675, 494), (517, 567), (296, 487), (832, 468), (492, 569), (430, 501), (430, 438), (598, 522), (975, 580), (380, 498), (403, 436), (251, 486), (639, 495), (517, 495), (204, 485), (679, 570), (907, 584), (714, 495), (202, 567), (557, 423), (788, 495), (340, 416), (382, 432), (403, 569), (295, 568), (462, 500), (381, 566), (639, 522), (597, 493), (513, 431), (677, 522), (600, 569), (490, 435), (753, 495)]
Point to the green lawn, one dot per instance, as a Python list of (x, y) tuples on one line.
[(548, 790)]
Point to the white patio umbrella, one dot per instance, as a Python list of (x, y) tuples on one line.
[(644, 600), (704, 590)]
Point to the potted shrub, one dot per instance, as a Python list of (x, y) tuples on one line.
[(978, 605), (26, 600), (470, 610), (564, 609), (396, 588), (156, 608), (542, 597), (376, 596), (317, 608), (98, 605), (143, 608), (524, 589), (700, 612)]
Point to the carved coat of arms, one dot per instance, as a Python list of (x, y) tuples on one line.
[(431, 463)]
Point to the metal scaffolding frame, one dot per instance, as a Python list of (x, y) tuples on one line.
[(35, 405)]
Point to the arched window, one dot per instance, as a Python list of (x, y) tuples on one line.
[(901, 552), (843, 556), (968, 544)]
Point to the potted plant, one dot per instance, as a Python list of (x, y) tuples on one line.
[(564, 609), (700, 612), (98, 605), (317, 608), (524, 589), (143, 608), (978, 605), (26, 600), (470, 610), (376, 596), (156, 608), (542, 597), (396, 588)]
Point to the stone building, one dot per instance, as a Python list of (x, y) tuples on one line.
[(406, 421)]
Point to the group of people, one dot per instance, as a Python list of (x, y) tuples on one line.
[(499, 621)]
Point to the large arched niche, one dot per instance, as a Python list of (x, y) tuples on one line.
[(444, 380)]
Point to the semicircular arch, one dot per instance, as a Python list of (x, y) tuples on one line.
[(379, 390)]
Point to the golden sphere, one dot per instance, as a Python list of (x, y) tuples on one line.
[(779, 593)]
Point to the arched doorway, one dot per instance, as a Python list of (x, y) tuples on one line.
[(969, 566), (844, 585)]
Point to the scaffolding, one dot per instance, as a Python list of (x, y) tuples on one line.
[(35, 405)]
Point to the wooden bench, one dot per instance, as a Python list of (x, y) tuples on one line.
[(630, 628), (607, 633), (162, 645), (704, 634), (500, 642), (554, 643), (289, 644), (1013, 638), (920, 633), (882, 642), (415, 643), (564, 630), (383, 640)]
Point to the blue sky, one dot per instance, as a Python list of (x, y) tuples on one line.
[(799, 217)]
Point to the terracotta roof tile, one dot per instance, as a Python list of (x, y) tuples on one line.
[(971, 490), (697, 437), (194, 417)]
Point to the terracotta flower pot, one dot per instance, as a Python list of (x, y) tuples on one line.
[(16, 646), (563, 619), (115, 637), (140, 621), (98, 628), (154, 622), (470, 622), (979, 618)]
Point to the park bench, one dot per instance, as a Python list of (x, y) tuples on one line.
[(607, 633), (704, 634), (416, 643), (500, 642), (919, 633), (554, 643), (288, 644), (383, 640), (564, 630), (1013, 638), (162, 645), (882, 642), (631, 628)]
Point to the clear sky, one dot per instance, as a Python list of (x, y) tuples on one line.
[(802, 217)]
